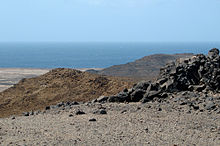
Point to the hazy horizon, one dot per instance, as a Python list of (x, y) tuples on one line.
[(110, 21)]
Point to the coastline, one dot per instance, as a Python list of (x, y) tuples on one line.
[(11, 76)]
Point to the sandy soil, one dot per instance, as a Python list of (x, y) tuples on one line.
[(124, 124)]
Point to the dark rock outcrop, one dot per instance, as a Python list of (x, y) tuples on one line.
[(197, 76)]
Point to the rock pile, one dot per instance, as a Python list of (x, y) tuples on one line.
[(196, 76), (197, 73)]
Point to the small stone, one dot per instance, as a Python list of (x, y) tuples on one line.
[(47, 108), (13, 117), (188, 112), (60, 104), (124, 111), (74, 103), (70, 115), (195, 107), (92, 120), (182, 102), (159, 109), (67, 103), (102, 112), (26, 114), (80, 112), (146, 130), (149, 106), (32, 113)]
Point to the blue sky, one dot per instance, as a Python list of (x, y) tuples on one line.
[(110, 20)]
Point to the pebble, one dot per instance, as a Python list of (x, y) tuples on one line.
[(26, 114), (70, 115), (102, 112), (80, 112), (47, 108), (92, 120)]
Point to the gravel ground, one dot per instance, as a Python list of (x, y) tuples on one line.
[(123, 124)]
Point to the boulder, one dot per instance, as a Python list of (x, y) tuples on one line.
[(137, 95), (143, 85), (213, 53)]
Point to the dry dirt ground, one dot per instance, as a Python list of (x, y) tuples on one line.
[(124, 124)]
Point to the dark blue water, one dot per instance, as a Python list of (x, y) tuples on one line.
[(88, 55)]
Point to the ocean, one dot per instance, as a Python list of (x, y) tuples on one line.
[(89, 55)]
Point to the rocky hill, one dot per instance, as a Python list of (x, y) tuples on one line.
[(180, 107), (58, 85), (146, 68), (191, 81)]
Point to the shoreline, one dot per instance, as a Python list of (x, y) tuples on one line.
[(11, 76), (17, 68)]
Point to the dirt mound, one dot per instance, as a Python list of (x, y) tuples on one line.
[(58, 85)]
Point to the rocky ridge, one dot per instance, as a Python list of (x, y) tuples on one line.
[(194, 81), (146, 68)]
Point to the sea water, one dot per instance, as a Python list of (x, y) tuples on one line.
[(89, 55)]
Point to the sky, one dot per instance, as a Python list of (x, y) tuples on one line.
[(109, 20)]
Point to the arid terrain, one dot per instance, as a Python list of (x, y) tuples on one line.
[(56, 86), (152, 123), (146, 68), (11, 76), (181, 106)]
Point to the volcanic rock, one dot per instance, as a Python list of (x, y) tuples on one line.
[(195, 78), (80, 112)]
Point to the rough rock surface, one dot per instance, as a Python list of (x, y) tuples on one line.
[(196, 78)]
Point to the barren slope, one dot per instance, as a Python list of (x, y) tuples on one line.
[(147, 67), (56, 86)]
